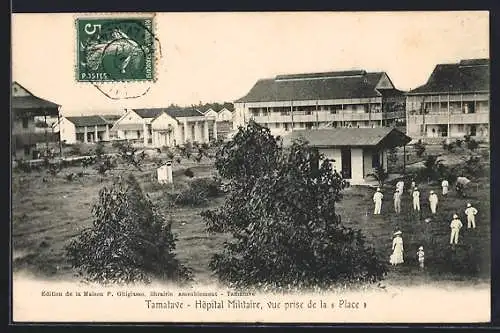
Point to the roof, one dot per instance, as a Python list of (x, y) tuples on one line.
[(111, 117), (31, 101), (216, 107), (172, 112), (466, 76), (352, 137), (83, 121), (327, 85)]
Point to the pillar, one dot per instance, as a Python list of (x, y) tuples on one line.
[(205, 131), (185, 131), (215, 130), (196, 135), (107, 133), (85, 134), (145, 130), (95, 134)]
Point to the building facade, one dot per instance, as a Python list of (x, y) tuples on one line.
[(26, 139), (334, 99), (354, 152), (160, 127), (84, 129), (453, 103)]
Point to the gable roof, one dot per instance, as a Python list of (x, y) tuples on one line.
[(327, 85), (149, 113), (172, 112), (82, 121), (352, 137), (466, 76), (31, 101)]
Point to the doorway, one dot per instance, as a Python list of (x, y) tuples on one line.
[(345, 154)]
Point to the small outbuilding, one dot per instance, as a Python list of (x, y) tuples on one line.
[(355, 152)]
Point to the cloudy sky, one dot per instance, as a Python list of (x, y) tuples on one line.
[(216, 57)]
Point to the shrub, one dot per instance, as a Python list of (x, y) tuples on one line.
[(128, 242), (75, 150), (281, 214), (419, 148), (198, 192), (189, 173), (99, 150)]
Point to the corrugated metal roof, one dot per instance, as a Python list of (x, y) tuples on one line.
[(467, 76), (331, 85), (335, 137), (83, 121)]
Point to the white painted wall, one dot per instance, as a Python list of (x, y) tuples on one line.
[(67, 131), (357, 165), (333, 154), (225, 115)]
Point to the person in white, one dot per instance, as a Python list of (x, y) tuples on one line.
[(421, 256), (455, 227), (397, 201), (412, 187), (471, 213), (433, 201), (416, 199), (445, 185), (396, 257), (400, 185), (377, 199)]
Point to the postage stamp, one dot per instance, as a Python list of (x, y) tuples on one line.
[(115, 49)]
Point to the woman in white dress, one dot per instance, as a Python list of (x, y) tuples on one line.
[(397, 249)]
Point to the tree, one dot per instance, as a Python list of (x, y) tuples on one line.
[(433, 168), (281, 213), (128, 242)]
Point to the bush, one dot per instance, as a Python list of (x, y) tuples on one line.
[(281, 214), (99, 150), (128, 242), (419, 148), (75, 150), (198, 192), (189, 173)]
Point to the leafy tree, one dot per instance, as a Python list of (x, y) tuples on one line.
[(433, 168), (281, 213), (128, 242)]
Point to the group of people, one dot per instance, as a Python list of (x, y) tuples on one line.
[(456, 225)]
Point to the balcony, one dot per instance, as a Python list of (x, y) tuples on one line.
[(326, 116), (455, 118)]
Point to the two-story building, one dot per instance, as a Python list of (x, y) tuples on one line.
[(24, 108), (353, 98), (454, 102)]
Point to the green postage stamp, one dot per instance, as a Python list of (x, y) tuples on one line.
[(115, 49)]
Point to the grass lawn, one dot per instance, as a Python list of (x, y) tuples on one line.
[(47, 214)]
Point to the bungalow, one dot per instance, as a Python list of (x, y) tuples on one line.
[(24, 108), (84, 129), (159, 127), (356, 152)]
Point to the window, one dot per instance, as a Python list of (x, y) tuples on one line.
[(375, 160), (138, 134), (27, 150), (444, 105), (286, 126), (25, 122), (461, 127), (278, 125)]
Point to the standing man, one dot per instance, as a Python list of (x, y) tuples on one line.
[(397, 201), (471, 216), (455, 227), (416, 199), (377, 199), (445, 185), (412, 186), (433, 201), (400, 185)]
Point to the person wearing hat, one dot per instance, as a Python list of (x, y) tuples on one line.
[(377, 199), (455, 227), (471, 213), (433, 201), (396, 257), (421, 256), (416, 199), (445, 185), (397, 201)]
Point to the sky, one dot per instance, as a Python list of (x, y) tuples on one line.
[(217, 57)]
